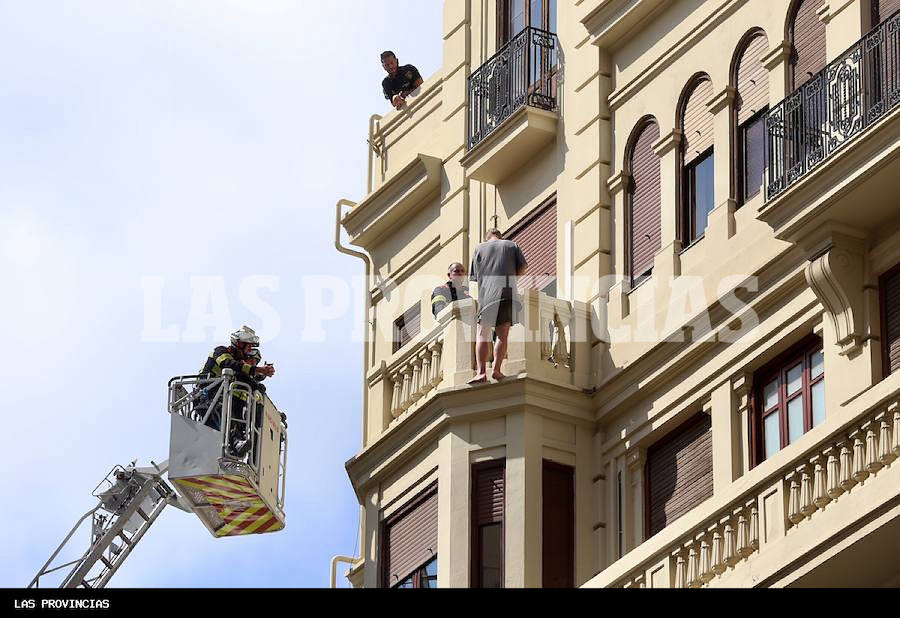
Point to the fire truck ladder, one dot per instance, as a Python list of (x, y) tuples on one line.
[(130, 500)]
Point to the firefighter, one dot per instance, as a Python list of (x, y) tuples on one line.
[(453, 290), (238, 358)]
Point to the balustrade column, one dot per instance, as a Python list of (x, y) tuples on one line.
[(885, 453), (860, 472)]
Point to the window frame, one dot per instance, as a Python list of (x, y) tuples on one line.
[(504, 19), (475, 576), (419, 576), (882, 308), (689, 197), (742, 129), (645, 124), (391, 520), (397, 342), (801, 353)]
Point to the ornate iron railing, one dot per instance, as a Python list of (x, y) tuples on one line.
[(522, 73), (833, 107)]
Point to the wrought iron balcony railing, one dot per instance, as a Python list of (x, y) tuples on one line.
[(522, 73), (833, 107)]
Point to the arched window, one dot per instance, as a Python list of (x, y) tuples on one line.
[(697, 159), (643, 201), (751, 81), (806, 32)]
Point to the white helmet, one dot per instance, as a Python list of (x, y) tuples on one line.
[(244, 335)]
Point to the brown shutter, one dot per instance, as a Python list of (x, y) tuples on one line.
[(407, 326), (698, 122), (646, 202), (886, 8), (536, 237), (808, 37), (679, 472), (890, 286), (410, 538), (489, 495), (752, 79), (558, 526)]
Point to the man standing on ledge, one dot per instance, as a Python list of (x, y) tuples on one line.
[(400, 80), (495, 266)]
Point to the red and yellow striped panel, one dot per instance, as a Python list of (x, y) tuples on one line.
[(237, 504)]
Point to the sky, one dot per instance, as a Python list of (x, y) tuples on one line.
[(168, 172)]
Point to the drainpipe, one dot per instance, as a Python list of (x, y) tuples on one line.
[(365, 258), (334, 563)]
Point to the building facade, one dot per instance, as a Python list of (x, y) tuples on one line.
[(705, 386)]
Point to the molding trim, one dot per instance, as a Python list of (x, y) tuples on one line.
[(668, 142)]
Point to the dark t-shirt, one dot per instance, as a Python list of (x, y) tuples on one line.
[(494, 267), (407, 75)]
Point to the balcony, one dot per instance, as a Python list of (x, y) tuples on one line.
[(835, 135), (827, 500), (512, 105), (552, 344)]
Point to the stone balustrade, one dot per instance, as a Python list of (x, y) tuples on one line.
[(789, 497), (417, 376), (550, 343), (851, 459)]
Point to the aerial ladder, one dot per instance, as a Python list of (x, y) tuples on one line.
[(232, 493)]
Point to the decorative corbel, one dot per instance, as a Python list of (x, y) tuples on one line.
[(837, 276)]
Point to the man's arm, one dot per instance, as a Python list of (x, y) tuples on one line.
[(438, 301), (240, 368), (386, 88), (521, 262)]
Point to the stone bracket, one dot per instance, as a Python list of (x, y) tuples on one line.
[(837, 276)]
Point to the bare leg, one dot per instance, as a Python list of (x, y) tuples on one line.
[(482, 350), (502, 331)]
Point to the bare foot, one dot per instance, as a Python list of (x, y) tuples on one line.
[(479, 379), (499, 377)]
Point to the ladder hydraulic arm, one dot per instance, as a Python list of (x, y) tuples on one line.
[(130, 500)]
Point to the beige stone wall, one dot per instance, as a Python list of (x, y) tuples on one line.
[(622, 60)]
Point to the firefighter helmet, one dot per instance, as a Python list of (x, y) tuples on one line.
[(244, 335)]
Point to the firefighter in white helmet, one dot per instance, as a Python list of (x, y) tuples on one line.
[(239, 358)]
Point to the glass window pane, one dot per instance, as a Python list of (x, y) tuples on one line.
[(516, 17), (704, 193), (771, 394), (406, 583), (491, 556), (795, 379), (771, 435), (552, 11), (795, 420), (754, 158), (537, 14), (429, 574), (817, 365), (818, 404)]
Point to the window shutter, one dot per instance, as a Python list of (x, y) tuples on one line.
[(558, 526), (891, 304), (886, 8), (490, 495), (679, 472), (407, 326), (698, 122), (752, 79), (808, 37), (646, 202), (536, 237), (410, 538)]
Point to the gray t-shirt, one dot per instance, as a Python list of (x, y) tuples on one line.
[(494, 266)]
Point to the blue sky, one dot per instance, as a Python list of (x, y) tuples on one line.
[(202, 144)]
